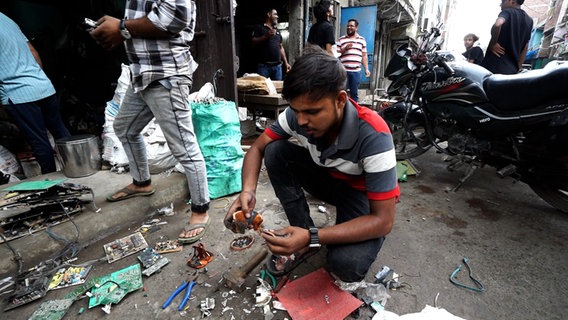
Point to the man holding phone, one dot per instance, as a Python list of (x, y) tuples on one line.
[(156, 35)]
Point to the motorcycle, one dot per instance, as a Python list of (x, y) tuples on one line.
[(517, 124)]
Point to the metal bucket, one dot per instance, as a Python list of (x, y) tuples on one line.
[(79, 155)]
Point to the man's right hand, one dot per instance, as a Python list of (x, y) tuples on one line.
[(107, 33), (497, 50)]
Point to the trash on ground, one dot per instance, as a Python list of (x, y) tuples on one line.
[(316, 296)]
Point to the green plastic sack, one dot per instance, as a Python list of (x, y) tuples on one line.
[(218, 130)]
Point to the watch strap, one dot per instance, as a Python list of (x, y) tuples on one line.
[(314, 238)]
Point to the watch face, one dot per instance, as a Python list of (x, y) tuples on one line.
[(123, 31), (125, 34)]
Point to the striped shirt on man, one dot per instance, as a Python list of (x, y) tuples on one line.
[(353, 57)]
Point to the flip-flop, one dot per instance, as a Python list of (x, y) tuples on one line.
[(197, 237), (291, 262), (129, 194)]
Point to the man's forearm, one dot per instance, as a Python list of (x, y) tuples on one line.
[(143, 27)]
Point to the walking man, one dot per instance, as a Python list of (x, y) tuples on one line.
[(352, 49), (510, 35), (156, 35), (270, 51)]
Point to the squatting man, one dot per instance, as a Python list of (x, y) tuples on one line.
[(344, 155)]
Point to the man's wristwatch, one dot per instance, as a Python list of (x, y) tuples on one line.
[(123, 31), (314, 239)]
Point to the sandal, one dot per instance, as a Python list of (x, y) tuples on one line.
[(289, 263), (200, 258)]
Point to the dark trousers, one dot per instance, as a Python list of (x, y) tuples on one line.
[(34, 119), (353, 80), (291, 171)]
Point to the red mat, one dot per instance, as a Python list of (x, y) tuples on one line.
[(316, 296)]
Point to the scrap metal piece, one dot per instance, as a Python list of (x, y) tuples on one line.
[(242, 243), (262, 294), (206, 306)]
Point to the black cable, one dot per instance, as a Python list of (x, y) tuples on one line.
[(17, 256)]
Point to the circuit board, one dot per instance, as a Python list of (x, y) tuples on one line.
[(113, 287), (156, 267), (168, 246), (148, 257), (126, 246), (69, 277), (52, 310), (29, 287)]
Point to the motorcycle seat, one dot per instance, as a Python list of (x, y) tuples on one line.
[(529, 89)]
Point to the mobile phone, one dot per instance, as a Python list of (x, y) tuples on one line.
[(90, 24)]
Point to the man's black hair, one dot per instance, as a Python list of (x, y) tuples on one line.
[(320, 11), (315, 73), (354, 20), (520, 2)]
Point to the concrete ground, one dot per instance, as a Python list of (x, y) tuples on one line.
[(515, 243)]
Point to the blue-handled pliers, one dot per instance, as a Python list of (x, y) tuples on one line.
[(188, 285)]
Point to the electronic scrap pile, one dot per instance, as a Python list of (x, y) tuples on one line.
[(32, 206)]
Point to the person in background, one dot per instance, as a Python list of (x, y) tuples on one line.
[(28, 95), (352, 49), (271, 54), (342, 154), (322, 33), (473, 54), (156, 35), (510, 35)]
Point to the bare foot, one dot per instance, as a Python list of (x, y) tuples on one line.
[(195, 218)]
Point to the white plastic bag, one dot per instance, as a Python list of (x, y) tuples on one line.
[(8, 162)]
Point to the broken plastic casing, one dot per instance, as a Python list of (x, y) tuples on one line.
[(255, 221)]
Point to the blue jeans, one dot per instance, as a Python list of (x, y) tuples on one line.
[(353, 80), (274, 72), (291, 171), (34, 119), (167, 101)]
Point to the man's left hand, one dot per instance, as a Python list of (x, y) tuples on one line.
[(288, 67), (107, 33), (288, 240), (367, 73)]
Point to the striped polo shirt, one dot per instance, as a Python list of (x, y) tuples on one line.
[(363, 155), (352, 58), (21, 78), (153, 59)]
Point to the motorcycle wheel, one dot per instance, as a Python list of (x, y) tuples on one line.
[(555, 195), (409, 142)]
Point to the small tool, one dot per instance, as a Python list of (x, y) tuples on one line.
[(188, 285)]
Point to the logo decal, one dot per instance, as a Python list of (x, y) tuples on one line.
[(448, 82)]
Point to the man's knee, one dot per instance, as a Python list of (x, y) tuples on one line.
[(350, 263)]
